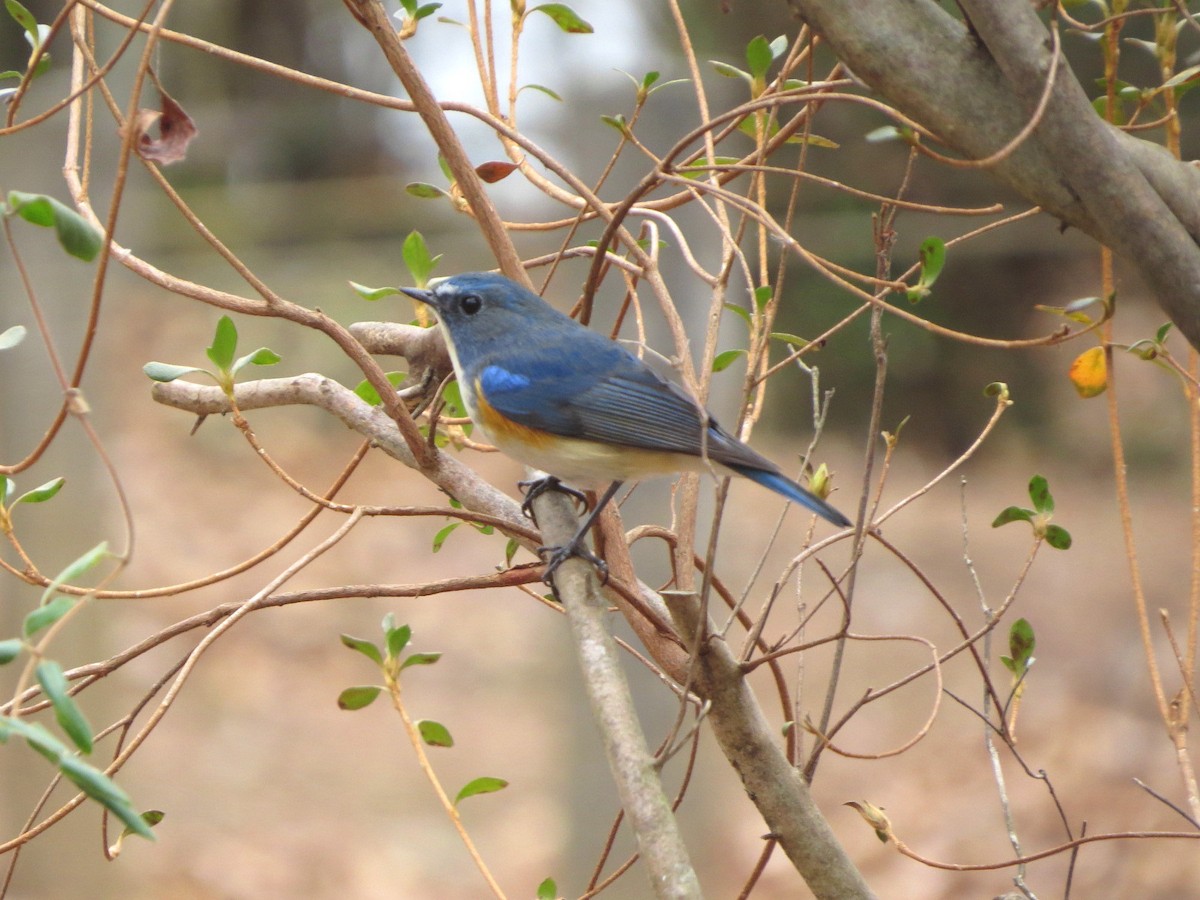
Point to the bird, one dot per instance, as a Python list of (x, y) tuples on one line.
[(555, 395)]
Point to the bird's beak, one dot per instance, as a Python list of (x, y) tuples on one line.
[(425, 297)]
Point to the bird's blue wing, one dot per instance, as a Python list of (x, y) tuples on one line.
[(597, 391)]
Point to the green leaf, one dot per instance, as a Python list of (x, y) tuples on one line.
[(358, 697), (762, 296), (75, 233), (366, 391), (738, 311), (792, 339), (35, 735), (435, 734), (1159, 336), (724, 360), (1013, 514), (452, 396), (397, 638), (759, 57), (427, 10), (510, 550), (702, 167), (933, 259), (416, 257), (369, 293), (7, 488), (1039, 493), (564, 17), (151, 817), (543, 89), (420, 659), (424, 190), (75, 569), (224, 344), (47, 615), (105, 791), (483, 785), (70, 718), (1021, 643), (263, 356), (44, 492), (10, 650), (440, 537), (164, 372), (547, 890), (25, 19), (10, 337), (1058, 537), (729, 71), (366, 648)]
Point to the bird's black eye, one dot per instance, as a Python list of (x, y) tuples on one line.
[(470, 304)]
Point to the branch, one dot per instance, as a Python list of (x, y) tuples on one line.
[(977, 94)]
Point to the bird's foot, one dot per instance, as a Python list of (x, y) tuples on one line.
[(538, 486), (554, 557)]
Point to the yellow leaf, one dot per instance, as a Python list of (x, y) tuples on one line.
[(1089, 373)]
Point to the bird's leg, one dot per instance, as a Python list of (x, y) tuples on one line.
[(577, 545), (538, 486)]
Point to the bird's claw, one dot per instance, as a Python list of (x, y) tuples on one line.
[(538, 486), (554, 557)]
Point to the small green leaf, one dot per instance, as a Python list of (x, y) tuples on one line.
[(762, 296), (483, 785), (792, 339), (44, 492), (366, 391), (151, 817), (416, 257), (759, 57), (224, 344), (440, 537), (10, 650), (510, 550), (543, 89), (8, 487), (435, 734), (47, 615), (933, 259), (75, 569), (729, 71), (1013, 514), (1159, 336), (75, 233), (564, 17), (369, 293), (35, 735), (424, 190), (366, 648), (420, 659), (738, 311), (397, 638), (10, 337), (617, 122), (263, 356), (70, 718), (1039, 493), (1058, 537), (358, 697), (724, 360), (165, 372), (547, 890), (1021, 643), (105, 791), (427, 10), (25, 19)]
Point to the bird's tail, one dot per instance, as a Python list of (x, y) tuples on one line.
[(781, 484)]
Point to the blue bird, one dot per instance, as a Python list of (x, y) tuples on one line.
[(554, 395)]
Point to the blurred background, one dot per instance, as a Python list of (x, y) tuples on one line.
[(271, 791)]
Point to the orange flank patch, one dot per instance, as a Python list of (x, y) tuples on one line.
[(503, 430)]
